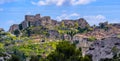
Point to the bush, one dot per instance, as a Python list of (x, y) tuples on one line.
[(66, 51), (14, 58), (92, 38)]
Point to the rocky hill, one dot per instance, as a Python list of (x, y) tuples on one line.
[(47, 27), (97, 41)]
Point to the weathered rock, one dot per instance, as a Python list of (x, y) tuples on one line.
[(53, 34), (117, 25), (82, 41), (66, 37), (24, 24), (82, 23), (104, 48), (13, 28)]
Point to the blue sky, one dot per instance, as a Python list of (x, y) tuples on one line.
[(94, 11)]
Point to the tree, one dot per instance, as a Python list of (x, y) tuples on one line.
[(65, 51), (62, 25), (17, 32), (28, 32), (76, 25), (20, 26), (2, 47), (72, 33)]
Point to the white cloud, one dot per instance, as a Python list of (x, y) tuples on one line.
[(68, 16), (81, 2), (61, 2), (74, 14), (39, 3), (6, 1), (48, 2), (95, 19)]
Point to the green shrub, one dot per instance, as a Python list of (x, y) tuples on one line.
[(14, 58), (92, 38)]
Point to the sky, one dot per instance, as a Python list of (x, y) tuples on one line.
[(94, 11)]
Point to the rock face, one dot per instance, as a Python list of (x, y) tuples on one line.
[(82, 23), (53, 34), (116, 25), (13, 28), (82, 41), (105, 48)]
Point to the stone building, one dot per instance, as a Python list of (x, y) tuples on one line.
[(32, 17), (46, 20), (31, 20), (37, 20)]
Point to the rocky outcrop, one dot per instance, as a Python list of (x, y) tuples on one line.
[(71, 23), (105, 48), (82, 41), (98, 49), (82, 23), (53, 34), (13, 28), (117, 25)]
